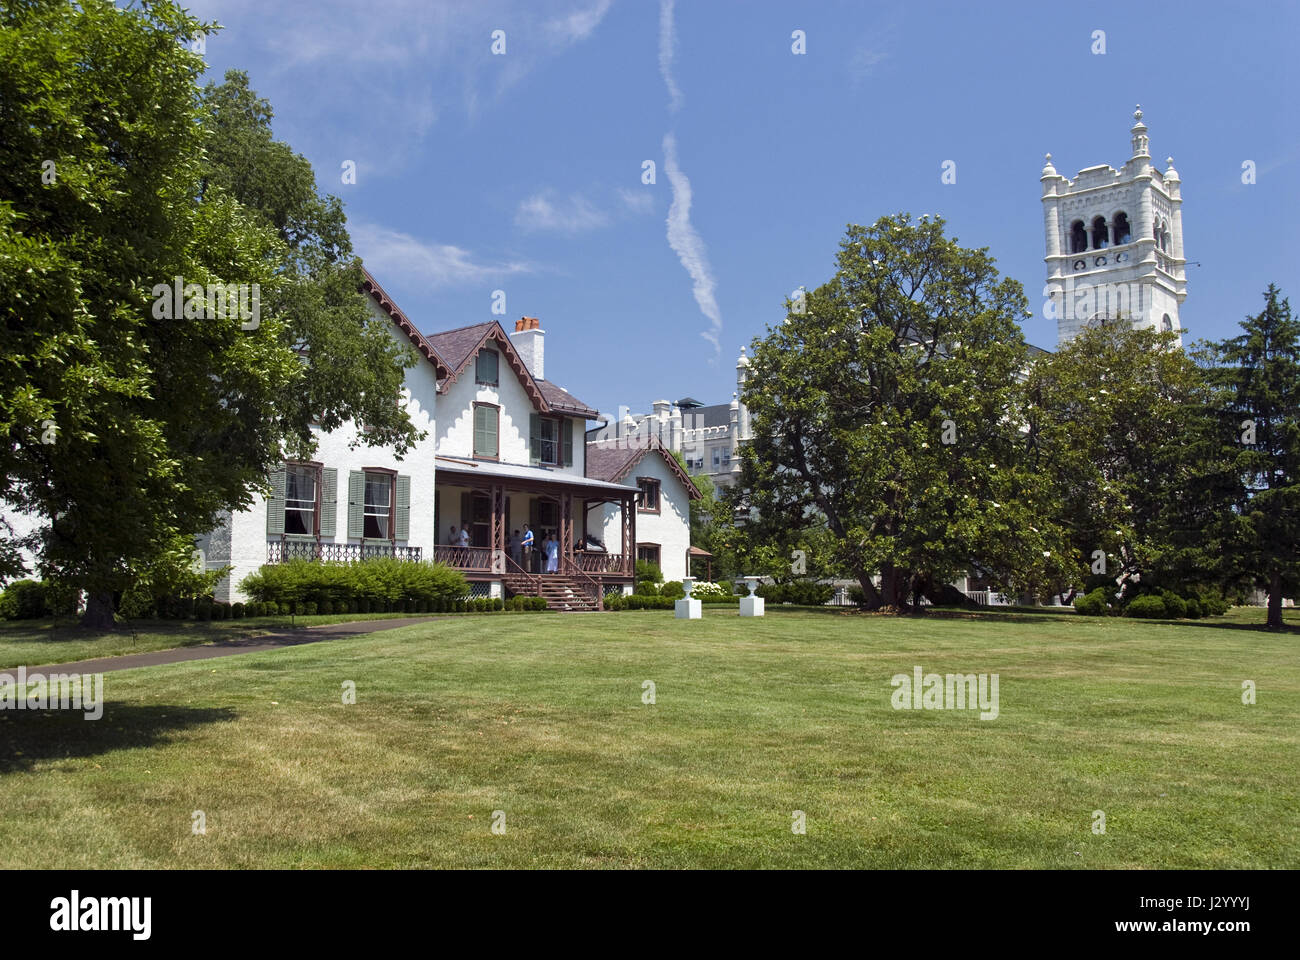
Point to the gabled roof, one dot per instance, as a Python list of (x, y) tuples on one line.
[(371, 286), (460, 346), (612, 460)]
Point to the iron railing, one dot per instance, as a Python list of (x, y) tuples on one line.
[(278, 551)]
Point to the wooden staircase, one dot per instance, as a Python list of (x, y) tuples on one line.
[(561, 592)]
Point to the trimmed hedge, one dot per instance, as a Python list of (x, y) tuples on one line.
[(806, 593), (1092, 604), (376, 584), (24, 600), (1147, 607)]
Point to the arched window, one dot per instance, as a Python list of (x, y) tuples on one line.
[(1078, 237), (1166, 325), (1100, 241), (1121, 228)]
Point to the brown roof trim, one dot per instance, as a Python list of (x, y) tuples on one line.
[(635, 455), (495, 332), (386, 303)]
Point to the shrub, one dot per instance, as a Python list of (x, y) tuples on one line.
[(703, 590), (1194, 611), (498, 603), (645, 570), (236, 611), (807, 593), (24, 600), (647, 588), (1175, 606), (537, 603), (309, 609), (1148, 606), (1092, 604), (673, 589), (381, 582)]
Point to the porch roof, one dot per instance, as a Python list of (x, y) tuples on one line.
[(539, 476)]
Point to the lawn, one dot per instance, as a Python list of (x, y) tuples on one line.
[(46, 641), (542, 717)]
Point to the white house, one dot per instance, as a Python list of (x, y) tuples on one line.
[(665, 492), (504, 451)]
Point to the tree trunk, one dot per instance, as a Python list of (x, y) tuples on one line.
[(1275, 600), (870, 596), (99, 612)]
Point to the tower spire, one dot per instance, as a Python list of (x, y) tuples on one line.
[(1141, 143)]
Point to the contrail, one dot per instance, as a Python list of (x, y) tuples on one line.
[(667, 41), (688, 246)]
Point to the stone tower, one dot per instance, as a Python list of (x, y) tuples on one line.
[(1115, 243)]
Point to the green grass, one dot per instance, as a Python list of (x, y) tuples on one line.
[(542, 717), (48, 641)]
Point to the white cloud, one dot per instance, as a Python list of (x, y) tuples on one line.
[(580, 24), (686, 243), (391, 252), (636, 201), (667, 44), (543, 211)]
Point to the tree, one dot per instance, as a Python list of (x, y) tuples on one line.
[(886, 410), (128, 423), (354, 366), (1122, 423), (1258, 374)]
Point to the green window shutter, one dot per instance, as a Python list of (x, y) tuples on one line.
[(329, 502), (534, 438), (485, 432), (403, 522), (566, 433), (275, 504), (356, 504)]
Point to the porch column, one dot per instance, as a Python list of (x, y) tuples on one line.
[(498, 529), (566, 525)]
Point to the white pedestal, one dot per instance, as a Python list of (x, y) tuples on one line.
[(687, 610), (751, 606)]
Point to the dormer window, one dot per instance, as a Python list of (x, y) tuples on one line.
[(486, 367)]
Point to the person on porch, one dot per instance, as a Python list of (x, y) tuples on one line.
[(464, 537), (517, 549), (453, 539), (552, 548), (528, 548)]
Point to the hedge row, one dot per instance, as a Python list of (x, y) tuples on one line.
[(206, 609), (807, 593), (1165, 605), (377, 580), (638, 601)]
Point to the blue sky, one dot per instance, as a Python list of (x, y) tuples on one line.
[(522, 172)]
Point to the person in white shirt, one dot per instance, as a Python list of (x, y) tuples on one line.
[(552, 548), (464, 536)]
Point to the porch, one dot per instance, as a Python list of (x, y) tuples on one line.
[(495, 502)]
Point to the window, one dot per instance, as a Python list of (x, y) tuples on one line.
[(648, 501), (550, 440), (1166, 325), (1078, 237), (1121, 228), (1100, 238), (649, 552), (486, 417), (378, 506), (716, 453), (301, 492), (485, 367), (550, 437)]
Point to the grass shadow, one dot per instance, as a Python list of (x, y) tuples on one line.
[(30, 736)]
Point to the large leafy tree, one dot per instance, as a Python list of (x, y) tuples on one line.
[(128, 432), (354, 366), (886, 411), (1122, 422), (1258, 375)]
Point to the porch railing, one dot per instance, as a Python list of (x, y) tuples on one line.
[(278, 551), (616, 563), (465, 558), (531, 583), (589, 586)]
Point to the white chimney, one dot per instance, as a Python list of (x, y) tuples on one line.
[(529, 340)]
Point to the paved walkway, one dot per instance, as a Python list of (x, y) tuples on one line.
[(226, 648)]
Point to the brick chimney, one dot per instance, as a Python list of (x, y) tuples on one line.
[(529, 340)]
